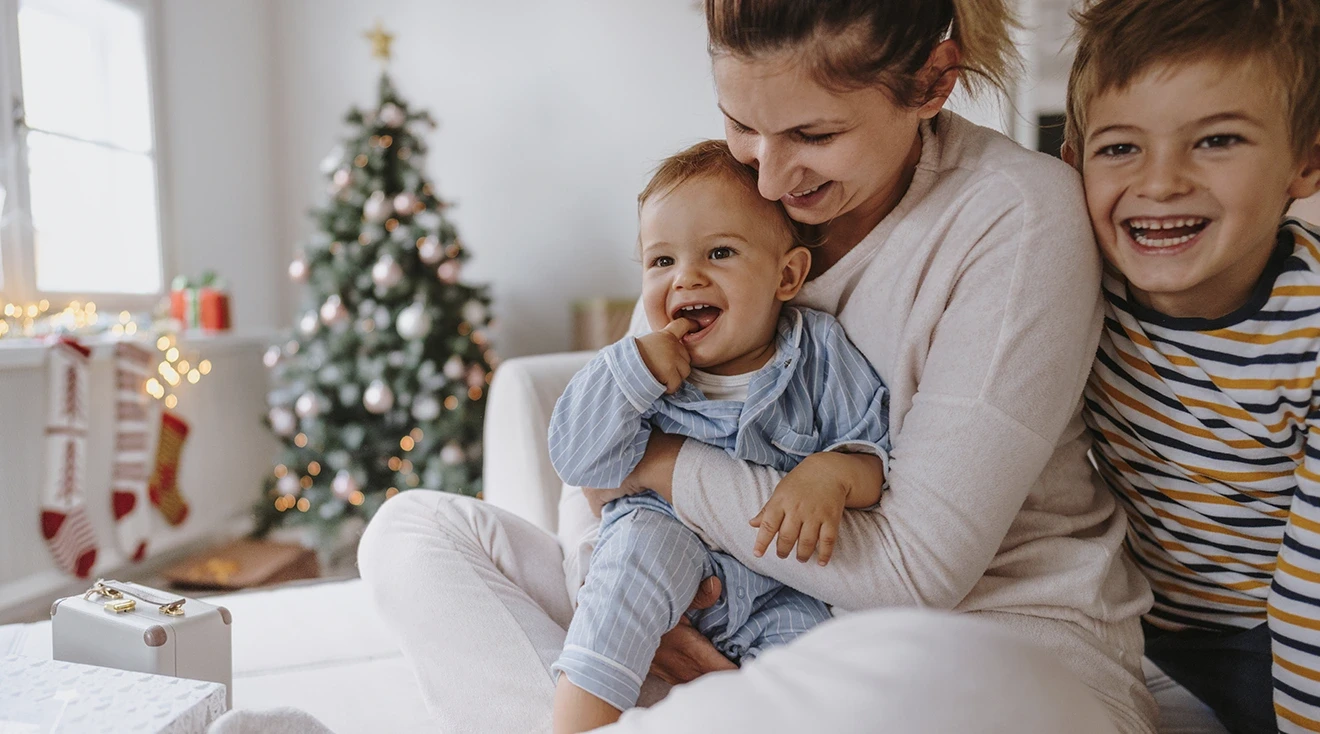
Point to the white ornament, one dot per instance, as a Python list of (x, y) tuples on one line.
[(426, 408), (454, 368), (333, 310), (288, 484), (271, 357), (342, 178), (413, 322), (429, 250), (332, 159), (392, 115), (474, 313), (298, 269), (386, 273), (378, 398), (308, 405), (452, 454), (282, 422), (378, 208), (309, 322), (448, 272), (344, 484), (396, 358), (404, 203)]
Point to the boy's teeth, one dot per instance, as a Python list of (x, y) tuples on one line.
[(1145, 241)]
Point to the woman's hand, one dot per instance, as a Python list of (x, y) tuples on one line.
[(807, 506), (654, 472), (684, 653)]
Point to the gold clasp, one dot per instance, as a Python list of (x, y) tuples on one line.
[(121, 606), (171, 606)]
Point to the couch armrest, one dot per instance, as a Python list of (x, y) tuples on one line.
[(517, 473)]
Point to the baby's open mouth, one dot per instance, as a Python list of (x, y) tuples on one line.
[(701, 315), (1165, 231)]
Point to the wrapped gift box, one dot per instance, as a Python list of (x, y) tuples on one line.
[(46, 696), (599, 322)]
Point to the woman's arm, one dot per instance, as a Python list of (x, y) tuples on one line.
[(999, 385)]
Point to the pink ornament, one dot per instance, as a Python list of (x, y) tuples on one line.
[(449, 271), (298, 269), (378, 208), (476, 376), (333, 310), (404, 203), (344, 485), (429, 250), (386, 273), (392, 115)]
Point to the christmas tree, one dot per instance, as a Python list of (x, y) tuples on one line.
[(382, 387)]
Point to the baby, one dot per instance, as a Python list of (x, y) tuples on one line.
[(728, 364)]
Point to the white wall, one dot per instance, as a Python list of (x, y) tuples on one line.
[(551, 115)]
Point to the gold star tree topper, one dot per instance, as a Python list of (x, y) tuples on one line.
[(380, 41)]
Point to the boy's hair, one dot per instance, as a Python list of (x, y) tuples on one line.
[(713, 158), (1118, 40)]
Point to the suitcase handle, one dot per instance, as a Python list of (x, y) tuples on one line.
[(169, 605)]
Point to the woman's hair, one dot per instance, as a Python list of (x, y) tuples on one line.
[(713, 158), (853, 44)]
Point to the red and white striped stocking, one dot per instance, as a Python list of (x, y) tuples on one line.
[(134, 412), (64, 522)]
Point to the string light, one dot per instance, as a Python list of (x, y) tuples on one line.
[(314, 468), (304, 505), (406, 443), (300, 440), (357, 498), (171, 401)]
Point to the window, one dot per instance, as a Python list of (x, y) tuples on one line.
[(78, 154)]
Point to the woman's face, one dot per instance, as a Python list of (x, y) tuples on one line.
[(825, 154)]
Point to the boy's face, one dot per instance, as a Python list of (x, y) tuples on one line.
[(714, 253), (1188, 171)]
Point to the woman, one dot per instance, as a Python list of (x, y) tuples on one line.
[(964, 268)]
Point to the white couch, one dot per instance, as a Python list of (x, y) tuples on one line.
[(520, 478)]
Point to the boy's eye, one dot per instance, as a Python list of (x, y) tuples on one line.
[(1116, 150), (663, 261), (719, 253), (1220, 141)]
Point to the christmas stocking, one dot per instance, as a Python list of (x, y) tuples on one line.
[(164, 487), (64, 522), (128, 477)]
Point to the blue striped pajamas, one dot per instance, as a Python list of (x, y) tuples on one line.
[(816, 394)]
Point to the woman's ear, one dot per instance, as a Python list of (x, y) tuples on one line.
[(941, 75), (1307, 182), (793, 269)]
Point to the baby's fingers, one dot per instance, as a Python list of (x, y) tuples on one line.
[(788, 535), (829, 535), (769, 525), (806, 544)]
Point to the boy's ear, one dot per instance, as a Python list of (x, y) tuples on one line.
[(1307, 182), (793, 269), (1068, 155)]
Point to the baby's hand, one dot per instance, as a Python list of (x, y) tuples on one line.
[(802, 512), (665, 356)]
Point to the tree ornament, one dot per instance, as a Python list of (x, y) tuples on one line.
[(283, 422), (310, 321), (344, 484), (426, 408), (392, 115), (429, 250), (333, 159), (308, 405), (386, 273), (333, 310), (448, 272), (396, 358), (271, 357), (405, 203), (452, 454), (413, 322), (342, 178), (288, 484), (454, 368), (378, 398), (378, 208), (349, 393), (298, 269), (476, 376), (474, 312)]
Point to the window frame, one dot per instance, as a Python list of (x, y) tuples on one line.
[(18, 281)]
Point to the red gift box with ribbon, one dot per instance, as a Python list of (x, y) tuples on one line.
[(200, 304)]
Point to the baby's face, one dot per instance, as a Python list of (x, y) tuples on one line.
[(714, 253)]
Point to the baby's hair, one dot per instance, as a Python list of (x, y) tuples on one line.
[(713, 158), (1118, 40)]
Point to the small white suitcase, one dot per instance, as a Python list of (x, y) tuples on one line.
[(122, 625)]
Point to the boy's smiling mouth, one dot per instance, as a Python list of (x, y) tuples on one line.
[(702, 315), (1164, 232)]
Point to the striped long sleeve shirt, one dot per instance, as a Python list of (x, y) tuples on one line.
[(818, 393), (1209, 432)]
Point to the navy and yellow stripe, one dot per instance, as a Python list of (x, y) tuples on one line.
[(1209, 433)]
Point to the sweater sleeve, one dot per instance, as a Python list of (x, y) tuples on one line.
[(599, 428), (1293, 609), (999, 384)]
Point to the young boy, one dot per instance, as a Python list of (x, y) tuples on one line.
[(1195, 124), (727, 364)]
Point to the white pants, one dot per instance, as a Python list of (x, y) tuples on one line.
[(477, 598)]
